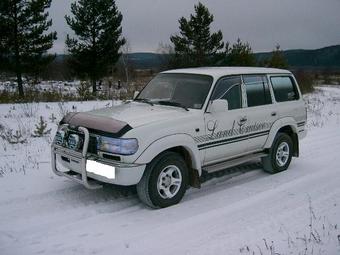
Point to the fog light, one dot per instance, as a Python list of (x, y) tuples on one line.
[(59, 137), (100, 169), (74, 142)]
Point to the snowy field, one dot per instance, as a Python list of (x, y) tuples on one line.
[(238, 211), (65, 88)]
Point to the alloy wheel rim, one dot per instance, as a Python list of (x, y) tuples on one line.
[(169, 182), (282, 154)]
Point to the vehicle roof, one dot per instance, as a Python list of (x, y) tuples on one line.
[(222, 71)]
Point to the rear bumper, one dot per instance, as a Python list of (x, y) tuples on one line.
[(74, 164)]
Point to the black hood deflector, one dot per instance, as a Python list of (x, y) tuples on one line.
[(99, 125)]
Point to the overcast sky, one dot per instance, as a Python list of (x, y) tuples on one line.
[(294, 24)]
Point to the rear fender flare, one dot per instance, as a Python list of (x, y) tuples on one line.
[(288, 121)]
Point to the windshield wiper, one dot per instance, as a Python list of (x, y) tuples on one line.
[(144, 100), (172, 103)]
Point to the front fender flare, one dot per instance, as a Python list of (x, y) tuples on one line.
[(167, 142)]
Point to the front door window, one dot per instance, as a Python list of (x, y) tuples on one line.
[(229, 89)]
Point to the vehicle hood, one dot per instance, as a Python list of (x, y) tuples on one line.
[(137, 114)]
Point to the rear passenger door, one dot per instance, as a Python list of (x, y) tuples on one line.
[(260, 112)]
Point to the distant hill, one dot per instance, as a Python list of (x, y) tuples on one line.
[(139, 60), (143, 60), (328, 57)]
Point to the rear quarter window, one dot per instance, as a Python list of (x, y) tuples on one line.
[(284, 88)]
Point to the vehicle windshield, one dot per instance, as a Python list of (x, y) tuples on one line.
[(181, 90)]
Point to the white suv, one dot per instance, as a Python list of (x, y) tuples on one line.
[(182, 123)]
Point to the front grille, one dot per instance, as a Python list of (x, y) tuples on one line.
[(92, 145)]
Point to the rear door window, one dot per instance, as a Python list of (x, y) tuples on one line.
[(284, 88), (257, 89)]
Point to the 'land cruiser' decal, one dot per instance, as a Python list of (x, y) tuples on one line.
[(211, 126), (239, 131)]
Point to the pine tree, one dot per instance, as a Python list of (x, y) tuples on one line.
[(196, 45), (24, 39), (239, 54), (41, 128), (98, 38), (277, 59)]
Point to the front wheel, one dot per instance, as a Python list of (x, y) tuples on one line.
[(164, 181), (280, 154)]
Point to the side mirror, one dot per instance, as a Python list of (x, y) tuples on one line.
[(135, 94), (218, 105)]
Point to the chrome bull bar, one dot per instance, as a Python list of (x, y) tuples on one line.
[(81, 156)]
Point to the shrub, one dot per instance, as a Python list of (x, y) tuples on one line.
[(84, 91), (13, 137), (48, 96), (306, 81)]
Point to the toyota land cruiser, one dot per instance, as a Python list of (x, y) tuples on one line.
[(182, 123)]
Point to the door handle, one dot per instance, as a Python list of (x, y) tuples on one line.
[(243, 119), (273, 114)]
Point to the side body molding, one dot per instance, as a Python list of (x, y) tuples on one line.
[(288, 121), (167, 142)]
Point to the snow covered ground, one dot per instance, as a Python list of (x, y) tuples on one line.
[(63, 87), (239, 211)]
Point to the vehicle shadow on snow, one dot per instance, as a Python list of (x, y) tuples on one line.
[(232, 172), (128, 195), (227, 178)]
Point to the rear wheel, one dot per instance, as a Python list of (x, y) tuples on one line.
[(280, 154), (164, 181)]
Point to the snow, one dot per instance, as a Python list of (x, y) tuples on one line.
[(63, 87), (238, 211)]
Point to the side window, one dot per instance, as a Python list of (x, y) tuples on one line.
[(257, 89), (229, 89), (284, 89)]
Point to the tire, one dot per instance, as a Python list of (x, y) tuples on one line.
[(164, 181), (280, 154)]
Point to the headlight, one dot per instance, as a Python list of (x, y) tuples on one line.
[(117, 145)]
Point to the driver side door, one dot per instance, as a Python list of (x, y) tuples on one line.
[(224, 137)]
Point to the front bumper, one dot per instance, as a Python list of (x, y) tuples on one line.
[(75, 166)]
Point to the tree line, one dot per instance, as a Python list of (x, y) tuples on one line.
[(97, 43)]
